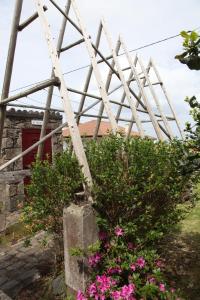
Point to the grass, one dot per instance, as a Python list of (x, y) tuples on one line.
[(13, 234), (191, 224), (182, 253)]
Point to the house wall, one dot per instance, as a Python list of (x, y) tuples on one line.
[(13, 190)]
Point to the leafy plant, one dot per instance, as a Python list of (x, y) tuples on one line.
[(53, 186), (138, 183), (191, 45), (121, 270)]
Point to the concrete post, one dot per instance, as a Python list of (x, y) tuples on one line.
[(3, 201), (80, 230)]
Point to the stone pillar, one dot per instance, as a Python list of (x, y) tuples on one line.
[(3, 201), (80, 231)]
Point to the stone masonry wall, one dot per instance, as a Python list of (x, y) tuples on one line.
[(12, 193)]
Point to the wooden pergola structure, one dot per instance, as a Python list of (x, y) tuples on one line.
[(135, 86)]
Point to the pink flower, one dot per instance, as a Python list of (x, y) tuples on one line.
[(127, 291), (116, 295), (119, 231), (133, 267), (92, 290), (160, 264), (114, 270), (131, 246), (172, 290), (107, 246), (152, 280), (94, 260), (105, 283), (162, 287), (102, 235), (140, 262), (80, 296)]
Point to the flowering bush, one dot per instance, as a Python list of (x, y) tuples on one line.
[(137, 182), (122, 270)]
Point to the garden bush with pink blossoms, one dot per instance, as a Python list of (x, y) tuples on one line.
[(123, 270)]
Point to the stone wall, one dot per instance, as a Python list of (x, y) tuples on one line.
[(12, 192)]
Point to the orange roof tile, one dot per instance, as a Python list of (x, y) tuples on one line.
[(87, 129)]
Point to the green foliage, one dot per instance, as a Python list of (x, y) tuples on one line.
[(138, 183), (191, 45), (192, 161), (52, 188), (121, 270)]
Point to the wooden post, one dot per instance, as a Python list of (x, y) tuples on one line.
[(50, 90), (73, 128), (123, 80), (108, 82), (96, 71), (28, 21), (40, 86), (167, 126), (144, 96), (124, 95), (9, 64), (167, 97), (89, 74)]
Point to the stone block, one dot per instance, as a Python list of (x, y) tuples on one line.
[(20, 188), (13, 202), (2, 221), (11, 190), (7, 142), (10, 153), (3, 296), (80, 231)]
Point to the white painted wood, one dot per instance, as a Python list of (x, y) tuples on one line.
[(144, 96), (96, 71), (89, 74), (123, 80), (73, 128), (9, 64), (167, 97), (108, 82), (50, 90), (153, 93)]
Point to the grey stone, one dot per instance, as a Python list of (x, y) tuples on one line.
[(28, 276), (80, 230), (58, 286), (2, 221), (3, 279), (3, 296), (10, 285)]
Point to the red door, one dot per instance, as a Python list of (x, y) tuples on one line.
[(29, 137)]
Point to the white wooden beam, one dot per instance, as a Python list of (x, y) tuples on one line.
[(144, 96), (123, 80), (96, 71), (73, 128), (167, 98)]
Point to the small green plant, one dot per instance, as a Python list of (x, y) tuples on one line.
[(138, 183), (191, 45), (53, 186)]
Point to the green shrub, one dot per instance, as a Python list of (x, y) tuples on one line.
[(52, 188), (137, 182)]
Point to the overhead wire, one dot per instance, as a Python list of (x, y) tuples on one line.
[(121, 54)]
